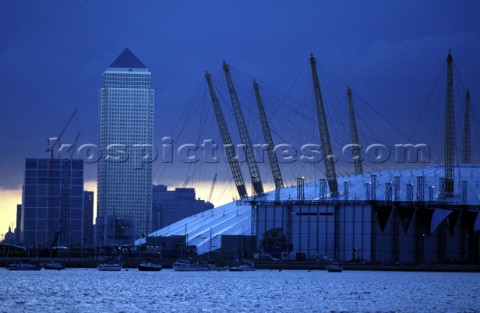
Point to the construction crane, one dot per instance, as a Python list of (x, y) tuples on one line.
[(185, 183), (244, 136), (227, 141), (54, 141), (357, 160), (466, 131), (449, 131), (324, 135), (211, 188), (267, 135)]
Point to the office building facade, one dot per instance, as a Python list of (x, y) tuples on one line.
[(19, 222), (88, 231), (114, 231), (126, 106), (52, 204), (170, 206)]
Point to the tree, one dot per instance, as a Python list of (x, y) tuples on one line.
[(273, 240)]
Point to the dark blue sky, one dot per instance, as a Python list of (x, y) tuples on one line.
[(52, 55)]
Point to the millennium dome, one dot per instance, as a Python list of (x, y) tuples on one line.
[(399, 189)]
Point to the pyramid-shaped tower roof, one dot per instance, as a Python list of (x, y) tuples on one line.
[(127, 59)]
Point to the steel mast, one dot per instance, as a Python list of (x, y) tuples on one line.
[(324, 135), (449, 131), (227, 141), (466, 131), (53, 141), (243, 131), (357, 160), (267, 135)]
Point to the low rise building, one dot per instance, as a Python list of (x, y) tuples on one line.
[(170, 206)]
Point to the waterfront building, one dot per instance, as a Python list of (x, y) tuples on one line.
[(88, 231), (126, 105), (19, 221), (170, 206), (52, 204), (386, 216), (421, 215), (113, 230)]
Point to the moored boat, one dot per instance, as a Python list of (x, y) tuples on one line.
[(23, 267), (110, 267), (334, 268), (54, 266), (149, 267), (245, 267), (218, 268), (187, 266)]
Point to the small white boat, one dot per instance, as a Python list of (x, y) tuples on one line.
[(149, 267), (186, 266), (110, 267), (334, 268)]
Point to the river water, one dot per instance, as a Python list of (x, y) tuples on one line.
[(88, 290)]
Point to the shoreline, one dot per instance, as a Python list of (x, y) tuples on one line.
[(469, 268), (264, 265)]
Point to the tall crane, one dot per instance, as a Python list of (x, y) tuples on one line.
[(357, 161), (227, 141), (324, 135), (185, 183), (449, 131), (466, 131), (244, 136), (53, 141), (211, 188), (267, 135)]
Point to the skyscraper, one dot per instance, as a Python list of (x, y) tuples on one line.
[(126, 142)]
